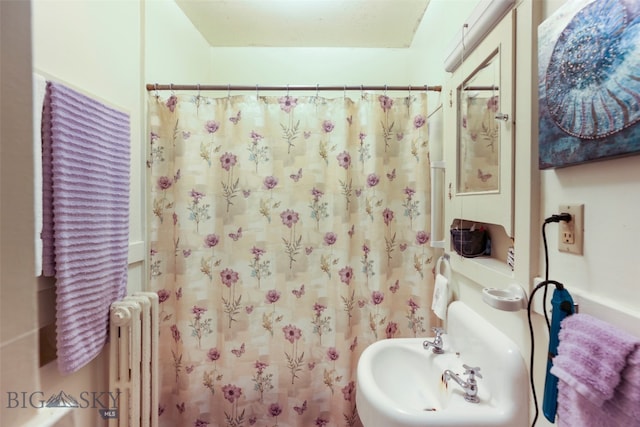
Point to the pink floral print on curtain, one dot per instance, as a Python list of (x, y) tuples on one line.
[(286, 235)]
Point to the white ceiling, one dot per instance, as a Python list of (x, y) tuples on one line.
[(306, 23)]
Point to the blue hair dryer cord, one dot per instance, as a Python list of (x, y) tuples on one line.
[(562, 306)]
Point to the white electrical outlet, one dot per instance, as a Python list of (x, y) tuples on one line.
[(571, 234)]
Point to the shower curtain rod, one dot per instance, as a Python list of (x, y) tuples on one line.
[(155, 86)]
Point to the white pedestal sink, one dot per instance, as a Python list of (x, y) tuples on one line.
[(399, 384)]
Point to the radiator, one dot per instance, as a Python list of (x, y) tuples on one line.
[(133, 360)]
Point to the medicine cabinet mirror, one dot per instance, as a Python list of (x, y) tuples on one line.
[(479, 132)]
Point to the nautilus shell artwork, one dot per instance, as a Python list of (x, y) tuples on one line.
[(589, 82)]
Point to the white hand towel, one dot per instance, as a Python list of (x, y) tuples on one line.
[(440, 296)]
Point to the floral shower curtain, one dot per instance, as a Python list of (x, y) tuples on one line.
[(286, 234)]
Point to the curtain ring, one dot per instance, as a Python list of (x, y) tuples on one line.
[(287, 89), (344, 94), (228, 90), (198, 90), (317, 89), (257, 93), (385, 90), (409, 93), (155, 88), (361, 91)]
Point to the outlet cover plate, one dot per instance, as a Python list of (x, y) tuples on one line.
[(571, 234)]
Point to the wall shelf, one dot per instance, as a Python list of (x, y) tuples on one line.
[(486, 270)]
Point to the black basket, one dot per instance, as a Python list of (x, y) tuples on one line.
[(469, 243)]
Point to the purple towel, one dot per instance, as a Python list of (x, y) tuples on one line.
[(86, 217), (598, 367)]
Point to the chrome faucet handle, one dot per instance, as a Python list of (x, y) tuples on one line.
[(438, 338), (437, 331), (471, 371), (437, 343)]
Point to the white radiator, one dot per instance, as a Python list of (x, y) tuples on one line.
[(133, 360)]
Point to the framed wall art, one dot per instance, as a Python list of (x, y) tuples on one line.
[(589, 82)]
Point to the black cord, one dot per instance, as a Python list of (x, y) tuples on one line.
[(553, 218), (533, 388), (544, 284), (546, 275)]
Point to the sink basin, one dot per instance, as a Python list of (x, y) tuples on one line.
[(399, 384)]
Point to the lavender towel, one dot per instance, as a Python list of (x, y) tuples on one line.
[(598, 367), (85, 217)]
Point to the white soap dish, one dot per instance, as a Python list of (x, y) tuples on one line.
[(512, 298)]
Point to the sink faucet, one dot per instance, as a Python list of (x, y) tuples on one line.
[(470, 386), (437, 342)]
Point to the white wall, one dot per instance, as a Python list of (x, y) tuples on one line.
[(418, 65), (432, 43), (94, 47), (175, 52), (309, 66), (18, 308), (609, 190)]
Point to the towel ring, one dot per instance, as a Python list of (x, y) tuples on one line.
[(444, 259)]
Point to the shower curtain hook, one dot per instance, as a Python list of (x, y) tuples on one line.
[(257, 93), (385, 90), (228, 90), (317, 89), (198, 91), (287, 89), (409, 93), (171, 89), (361, 91), (344, 94), (155, 88)]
